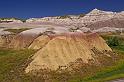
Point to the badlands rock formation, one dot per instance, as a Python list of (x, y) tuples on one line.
[(96, 19), (112, 23), (97, 15), (25, 38), (108, 29), (64, 49)]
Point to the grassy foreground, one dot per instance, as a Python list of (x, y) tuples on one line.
[(12, 64), (108, 73)]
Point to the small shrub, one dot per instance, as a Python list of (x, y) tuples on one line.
[(113, 41), (81, 15), (73, 29), (64, 17)]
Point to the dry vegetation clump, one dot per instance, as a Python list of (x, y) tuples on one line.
[(64, 17), (16, 31)]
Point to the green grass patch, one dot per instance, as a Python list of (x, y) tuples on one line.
[(16, 31), (12, 64), (108, 73)]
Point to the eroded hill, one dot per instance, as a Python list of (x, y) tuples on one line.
[(59, 51)]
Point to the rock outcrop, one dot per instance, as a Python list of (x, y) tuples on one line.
[(5, 40)]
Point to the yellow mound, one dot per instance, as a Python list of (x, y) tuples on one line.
[(40, 42), (63, 49)]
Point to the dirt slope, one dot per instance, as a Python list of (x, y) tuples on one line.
[(39, 42), (64, 49), (22, 41), (94, 40)]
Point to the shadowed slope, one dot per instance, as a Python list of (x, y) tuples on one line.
[(20, 42), (25, 38), (94, 40)]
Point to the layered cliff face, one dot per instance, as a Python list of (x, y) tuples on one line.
[(25, 38), (115, 22), (93, 16), (94, 20), (64, 49), (97, 15)]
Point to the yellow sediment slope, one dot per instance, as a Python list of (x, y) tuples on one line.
[(66, 48), (39, 42)]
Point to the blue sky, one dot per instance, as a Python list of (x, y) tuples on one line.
[(41, 8)]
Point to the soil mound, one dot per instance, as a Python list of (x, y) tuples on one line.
[(66, 48), (25, 38)]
